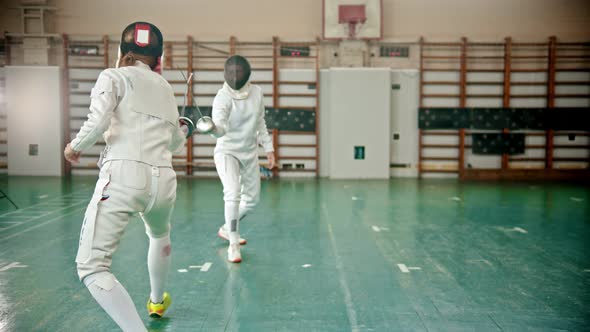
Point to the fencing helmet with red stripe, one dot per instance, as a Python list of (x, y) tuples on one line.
[(143, 38)]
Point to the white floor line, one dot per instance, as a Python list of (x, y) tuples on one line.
[(41, 224), (350, 312), (53, 200), (39, 216), (403, 268)]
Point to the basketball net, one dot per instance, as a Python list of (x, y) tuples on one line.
[(353, 28)]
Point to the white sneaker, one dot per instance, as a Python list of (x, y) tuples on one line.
[(233, 253), (222, 233)]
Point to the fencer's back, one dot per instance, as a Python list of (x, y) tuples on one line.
[(145, 119)]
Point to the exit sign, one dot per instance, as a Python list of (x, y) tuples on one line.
[(359, 152)]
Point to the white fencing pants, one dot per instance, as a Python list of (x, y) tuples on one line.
[(241, 186), (124, 188)]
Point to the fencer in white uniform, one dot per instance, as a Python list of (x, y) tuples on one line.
[(238, 115), (135, 108)]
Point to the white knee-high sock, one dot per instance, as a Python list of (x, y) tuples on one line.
[(242, 212), (158, 266), (231, 221), (115, 300)]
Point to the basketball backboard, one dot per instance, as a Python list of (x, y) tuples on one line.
[(352, 19)]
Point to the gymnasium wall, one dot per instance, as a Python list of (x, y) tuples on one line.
[(302, 19)]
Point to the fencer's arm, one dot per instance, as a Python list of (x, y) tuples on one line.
[(178, 138), (103, 101), (220, 115), (263, 135)]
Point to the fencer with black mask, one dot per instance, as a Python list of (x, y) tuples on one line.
[(238, 115), (135, 108)]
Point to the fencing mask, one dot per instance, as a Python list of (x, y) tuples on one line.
[(142, 38), (236, 71)]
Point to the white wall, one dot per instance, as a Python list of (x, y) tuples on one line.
[(359, 108), (404, 122), (302, 19), (33, 96)]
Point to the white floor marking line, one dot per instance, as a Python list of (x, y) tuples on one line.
[(354, 198), (350, 312), (41, 224), (379, 229), (43, 196), (305, 266), (204, 268), (407, 269), (54, 200), (511, 230), (182, 270), (11, 266), (40, 215), (576, 199), (455, 198), (485, 261)]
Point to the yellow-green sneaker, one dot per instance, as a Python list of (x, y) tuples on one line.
[(156, 310)]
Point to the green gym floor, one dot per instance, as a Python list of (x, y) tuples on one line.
[(399, 255)]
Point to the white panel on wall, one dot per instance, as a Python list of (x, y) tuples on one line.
[(447, 89), (404, 123), (430, 76), (528, 102), (572, 102), (324, 122), (175, 74), (440, 102), (530, 89), (38, 149), (295, 101), (528, 77), (485, 77), (296, 75), (484, 89), (573, 89), (483, 102), (360, 106), (199, 76), (562, 76), (575, 139), (482, 161), (200, 88)]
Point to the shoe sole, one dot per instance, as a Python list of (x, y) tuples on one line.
[(226, 239), (236, 261)]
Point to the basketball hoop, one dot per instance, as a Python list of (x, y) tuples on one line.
[(351, 15)]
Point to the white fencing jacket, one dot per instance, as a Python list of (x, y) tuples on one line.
[(136, 110), (239, 122)]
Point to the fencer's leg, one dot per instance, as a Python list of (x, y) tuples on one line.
[(158, 259), (115, 300), (157, 224), (228, 169), (106, 217), (250, 187), (158, 266)]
